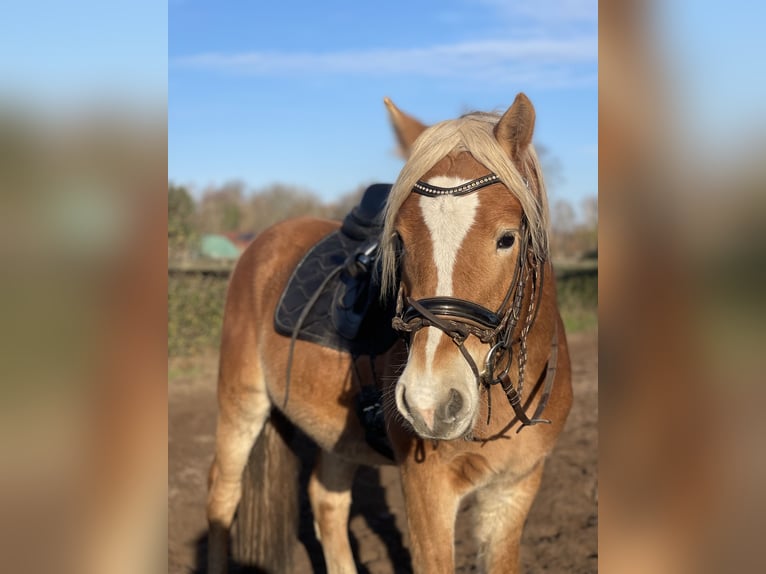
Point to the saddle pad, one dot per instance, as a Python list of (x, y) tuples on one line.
[(375, 334)]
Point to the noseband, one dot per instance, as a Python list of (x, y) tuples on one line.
[(459, 319)]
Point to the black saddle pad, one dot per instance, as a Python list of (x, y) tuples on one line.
[(328, 258)]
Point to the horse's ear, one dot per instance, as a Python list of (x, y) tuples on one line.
[(514, 130), (406, 127)]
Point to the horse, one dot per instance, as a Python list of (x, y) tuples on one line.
[(476, 389)]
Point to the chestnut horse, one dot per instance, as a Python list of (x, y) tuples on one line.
[(483, 356)]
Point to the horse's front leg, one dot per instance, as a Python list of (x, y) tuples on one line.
[(432, 503), (500, 513)]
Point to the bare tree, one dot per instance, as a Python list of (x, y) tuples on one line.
[(181, 212), (340, 207), (562, 217), (589, 207), (277, 203), (220, 209)]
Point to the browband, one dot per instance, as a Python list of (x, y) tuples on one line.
[(424, 188), (429, 190)]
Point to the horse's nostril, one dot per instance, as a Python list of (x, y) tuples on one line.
[(405, 403), (454, 404)]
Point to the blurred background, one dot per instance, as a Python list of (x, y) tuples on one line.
[(681, 283), (83, 179)]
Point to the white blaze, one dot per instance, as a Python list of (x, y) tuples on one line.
[(448, 219)]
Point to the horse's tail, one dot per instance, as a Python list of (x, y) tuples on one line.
[(266, 527)]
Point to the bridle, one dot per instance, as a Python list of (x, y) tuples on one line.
[(459, 319)]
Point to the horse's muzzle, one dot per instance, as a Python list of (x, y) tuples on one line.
[(445, 421)]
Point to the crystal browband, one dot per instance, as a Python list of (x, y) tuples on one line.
[(424, 188)]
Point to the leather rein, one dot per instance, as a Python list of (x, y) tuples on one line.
[(459, 319)]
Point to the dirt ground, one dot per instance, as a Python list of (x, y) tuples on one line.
[(561, 531)]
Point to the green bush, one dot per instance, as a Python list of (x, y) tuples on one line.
[(578, 300), (195, 313)]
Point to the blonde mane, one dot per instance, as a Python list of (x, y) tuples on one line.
[(472, 133)]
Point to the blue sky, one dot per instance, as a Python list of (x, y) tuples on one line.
[(292, 91), (59, 55), (715, 73)]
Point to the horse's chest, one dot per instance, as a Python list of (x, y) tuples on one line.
[(472, 470)]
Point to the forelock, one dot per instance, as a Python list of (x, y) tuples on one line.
[(473, 133)]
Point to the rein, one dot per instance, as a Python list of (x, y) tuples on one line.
[(459, 319)]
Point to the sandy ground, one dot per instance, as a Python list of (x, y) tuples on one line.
[(561, 531)]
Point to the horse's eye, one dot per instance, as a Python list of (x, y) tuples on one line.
[(506, 241)]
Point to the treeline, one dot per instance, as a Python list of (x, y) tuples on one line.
[(234, 208), (573, 234)]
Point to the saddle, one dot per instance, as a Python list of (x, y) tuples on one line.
[(333, 295), (333, 299)]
